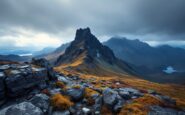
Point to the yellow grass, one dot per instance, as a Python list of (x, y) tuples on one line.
[(61, 102), (177, 92), (88, 95), (140, 106)]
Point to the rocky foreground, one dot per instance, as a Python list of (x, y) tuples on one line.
[(36, 89)]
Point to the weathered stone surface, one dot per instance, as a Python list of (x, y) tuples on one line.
[(128, 93), (110, 97), (44, 63), (55, 91), (125, 95), (76, 94), (157, 110), (98, 103), (2, 87), (17, 83), (118, 106), (4, 67), (41, 101), (61, 112), (63, 79), (24, 108)]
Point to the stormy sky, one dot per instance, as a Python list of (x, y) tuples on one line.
[(35, 24)]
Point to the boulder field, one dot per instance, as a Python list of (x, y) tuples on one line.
[(36, 89)]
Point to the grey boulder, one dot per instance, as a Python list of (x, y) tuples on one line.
[(110, 97), (76, 94), (41, 101), (24, 108)]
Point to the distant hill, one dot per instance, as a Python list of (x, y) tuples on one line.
[(87, 54), (53, 54), (44, 51), (15, 58), (150, 61)]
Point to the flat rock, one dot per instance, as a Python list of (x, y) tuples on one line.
[(61, 112), (124, 94), (110, 97), (4, 67), (24, 108), (131, 91), (41, 101), (76, 94)]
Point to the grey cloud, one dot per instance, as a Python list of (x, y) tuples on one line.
[(105, 17)]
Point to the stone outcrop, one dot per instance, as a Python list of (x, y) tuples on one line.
[(19, 79), (24, 108), (45, 64)]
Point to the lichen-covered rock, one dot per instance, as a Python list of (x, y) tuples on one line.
[(41, 101), (24, 108), (45, 64), (17, 83), (118, 106), (110, 97), (124, 94), (76, 94)]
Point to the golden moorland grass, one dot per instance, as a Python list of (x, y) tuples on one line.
[(140, 105), (88, 95), (176, 92), (61, 102)]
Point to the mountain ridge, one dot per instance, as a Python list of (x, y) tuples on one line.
[(88, 53)]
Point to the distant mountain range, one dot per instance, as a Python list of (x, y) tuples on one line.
[(150, 61)]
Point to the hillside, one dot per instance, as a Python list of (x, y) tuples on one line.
[(87, 54), (149, 61)]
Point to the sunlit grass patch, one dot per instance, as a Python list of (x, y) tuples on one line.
[(61, 102)]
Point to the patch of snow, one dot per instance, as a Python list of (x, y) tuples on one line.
[(97, 54), (169, 70), (1, 74)]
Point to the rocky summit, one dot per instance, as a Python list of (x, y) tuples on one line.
[(27, 89), (86, 51), (87, 43)]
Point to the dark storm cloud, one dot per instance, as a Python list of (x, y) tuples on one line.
[(106, 17)]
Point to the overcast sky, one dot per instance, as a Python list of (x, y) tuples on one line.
[(34, 24)]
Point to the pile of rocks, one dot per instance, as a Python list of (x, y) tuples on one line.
[(86, 99), (18, 79)]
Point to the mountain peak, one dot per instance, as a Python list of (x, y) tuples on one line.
[(83, 34), (87, 43), (86, 51)]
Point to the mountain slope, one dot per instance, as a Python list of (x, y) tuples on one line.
[(87, 54), (150, 61), (52, 56)]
